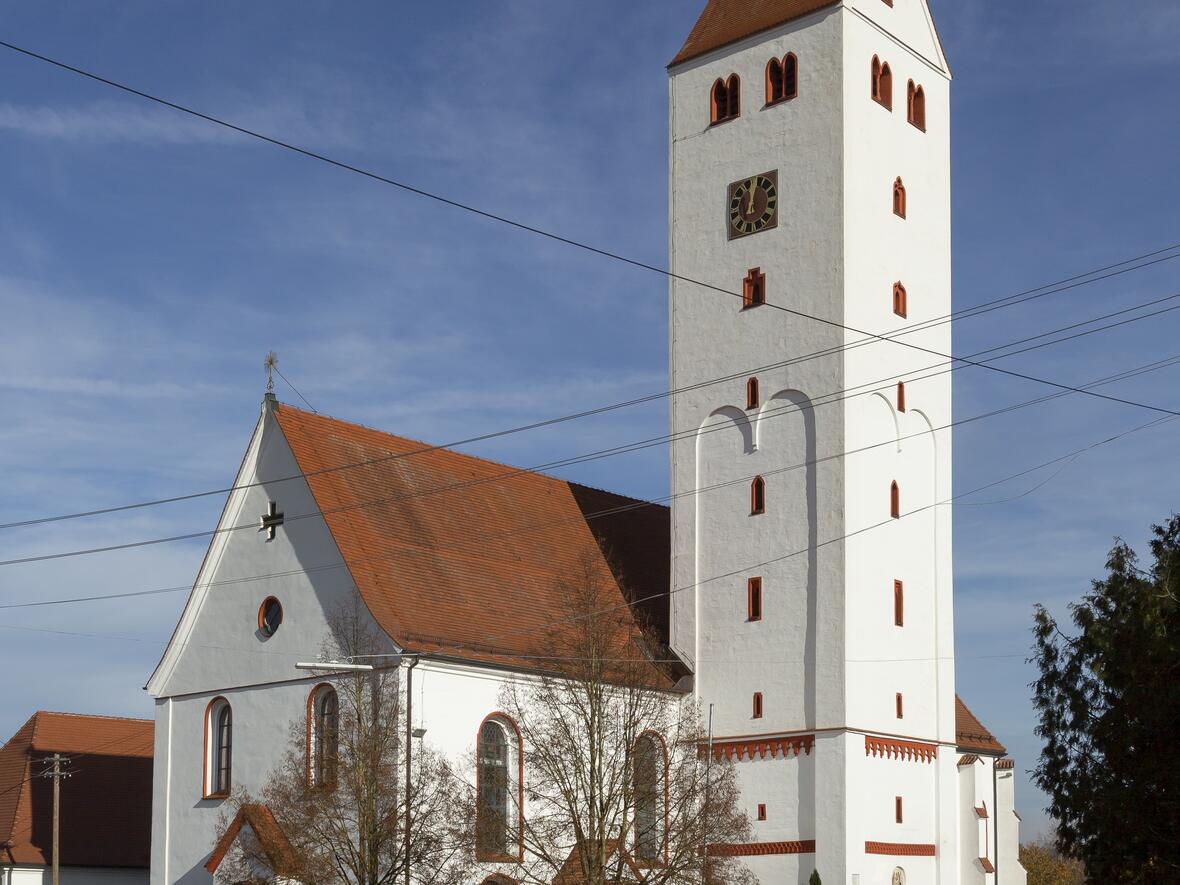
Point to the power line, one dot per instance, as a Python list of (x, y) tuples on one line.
[(1006, 301), (634, 505), (838, 396), (530, 228), (1068, 457)]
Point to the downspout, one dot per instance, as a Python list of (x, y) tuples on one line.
[(996, 826)]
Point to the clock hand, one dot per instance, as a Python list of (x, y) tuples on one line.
[(750, 206)]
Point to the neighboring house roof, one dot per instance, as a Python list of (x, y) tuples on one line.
[(462, 557), (971, 734), (106, 803), (727, 21), (571, 871), (272, 841)]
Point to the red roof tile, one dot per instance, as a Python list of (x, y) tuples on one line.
[(971, 734), (106, 803), (727, 21), (466, 558)]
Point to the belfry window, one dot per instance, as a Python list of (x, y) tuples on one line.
[(757, 496), (882, 87), (725, 100), (324, 736), (916, 106), (754, 288), (899, 201), (649, 782), (219, 724), (782, 79)]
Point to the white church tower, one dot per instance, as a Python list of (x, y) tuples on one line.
[(812, 586)]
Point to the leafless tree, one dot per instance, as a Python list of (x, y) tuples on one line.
[(338, 795), (617, 785)]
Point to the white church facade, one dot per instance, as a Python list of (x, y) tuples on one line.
[(803, 572)]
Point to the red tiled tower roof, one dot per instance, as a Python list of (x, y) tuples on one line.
[(106, 804), (727, 21)]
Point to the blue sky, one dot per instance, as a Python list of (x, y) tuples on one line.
[(149, 261)]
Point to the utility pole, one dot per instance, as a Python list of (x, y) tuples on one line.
[(57, 774), (410, 665)]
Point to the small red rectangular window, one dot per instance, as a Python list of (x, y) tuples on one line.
[(757, 705), (761, 811), (754, 599), (897, 808), (898, 604), (900, 708)]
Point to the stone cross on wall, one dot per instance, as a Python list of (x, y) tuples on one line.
[(271, 520)]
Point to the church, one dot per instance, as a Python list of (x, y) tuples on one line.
[(802, 574)]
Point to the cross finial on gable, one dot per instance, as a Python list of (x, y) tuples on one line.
[(270, 364)]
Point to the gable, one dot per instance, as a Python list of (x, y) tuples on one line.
[(723, 22), (217, 644)]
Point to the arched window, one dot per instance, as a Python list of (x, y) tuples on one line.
[(901, 396), (895, 501), (219, 726), (899, 198), (782, 79), (725, 101), (650, 779), (323, 736), (754, 288), (899, 300), (898, 604), (752, 400), (757, 705), (882, 88), (916, 106), (497, 815), (757, 496)]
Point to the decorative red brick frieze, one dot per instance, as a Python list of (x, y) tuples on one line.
[(893, 748), (900, 849), (763, 748), (754, 849)]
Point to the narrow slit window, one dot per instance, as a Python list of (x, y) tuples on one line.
[(757, 496), (761, 811), (899, 198), (757, 705), (900, 706), (895, 500), (897, 808), (901, 396), (900, 307), (752, 401), (754, 599), (754, 288), (898, 604)]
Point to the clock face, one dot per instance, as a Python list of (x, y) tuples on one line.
[(753, 205)]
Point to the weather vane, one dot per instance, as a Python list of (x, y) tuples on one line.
[(270, 364)]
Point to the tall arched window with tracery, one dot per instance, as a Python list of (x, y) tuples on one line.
[(498, 800), (650, 784), (916, 106), (219, 726), (323, 736)]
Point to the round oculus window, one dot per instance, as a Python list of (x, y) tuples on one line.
[(270, 616)]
